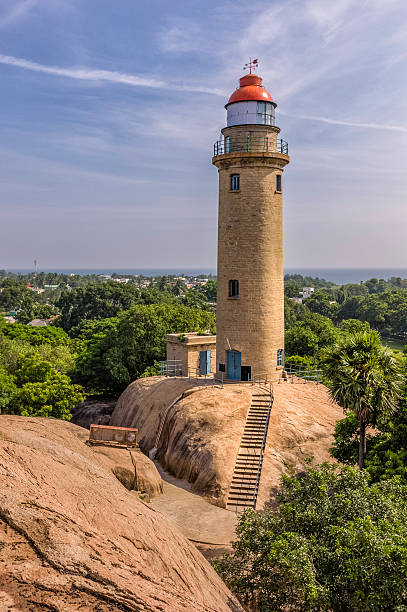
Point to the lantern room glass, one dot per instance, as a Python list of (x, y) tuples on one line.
[(265, 113)]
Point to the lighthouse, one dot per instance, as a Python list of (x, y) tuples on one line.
[(250, 157)]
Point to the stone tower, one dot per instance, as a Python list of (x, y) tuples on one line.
[(250, 306)]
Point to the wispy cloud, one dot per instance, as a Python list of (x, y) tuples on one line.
[(87, 74), (374, 126), (16, 12)]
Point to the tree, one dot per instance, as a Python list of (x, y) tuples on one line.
[(37, 335), (386, 454), (8, 389), (321, 303), (35, 311), (96, 301), (332, 543), (364, 378), (352, 326), (114, 358), (43, 391), (15, 295)]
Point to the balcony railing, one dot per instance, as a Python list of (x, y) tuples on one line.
[(249, 145)]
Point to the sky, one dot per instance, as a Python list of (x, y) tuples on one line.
[(109, 111)]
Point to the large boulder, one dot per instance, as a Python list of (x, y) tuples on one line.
[(203, 429), (302, 422), (74, 538), (130, 466), (201, 434), (93, 411)]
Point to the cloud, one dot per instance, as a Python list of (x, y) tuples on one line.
[(374, 126), (87, 74), (18, 10)]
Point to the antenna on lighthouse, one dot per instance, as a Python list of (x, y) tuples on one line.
[(252, 65)]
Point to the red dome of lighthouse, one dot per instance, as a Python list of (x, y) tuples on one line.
[(251, 89)]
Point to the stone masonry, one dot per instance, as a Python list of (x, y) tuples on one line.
[(250, 250)]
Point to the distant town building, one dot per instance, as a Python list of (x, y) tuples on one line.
[(307, 292), (37, 290), (39, 322)]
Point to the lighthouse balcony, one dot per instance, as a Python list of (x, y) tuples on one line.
[(250, 145)]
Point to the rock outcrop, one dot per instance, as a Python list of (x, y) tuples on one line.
[(72, 537), (93, 411), (202, 431), (302, 422), (130, 466)]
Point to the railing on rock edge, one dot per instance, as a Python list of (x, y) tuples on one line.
[(173, 368), (312, 374)]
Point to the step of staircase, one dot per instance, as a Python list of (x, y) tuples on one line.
[(243, 488)]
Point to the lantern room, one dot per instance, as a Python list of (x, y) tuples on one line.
[(251, 103)]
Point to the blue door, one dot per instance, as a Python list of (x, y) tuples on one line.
[(234, 361), (204, 362)]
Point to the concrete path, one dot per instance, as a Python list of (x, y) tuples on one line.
[(196, 518)]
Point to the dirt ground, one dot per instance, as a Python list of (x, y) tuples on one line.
[(209, 527)]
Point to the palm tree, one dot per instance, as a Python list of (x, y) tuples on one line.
[(365, 378)]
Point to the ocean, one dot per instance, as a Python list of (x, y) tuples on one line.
[(339, 276)]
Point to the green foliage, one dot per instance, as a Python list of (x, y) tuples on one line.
[(321, 303), (37, 335), (353, 326), (98, 301), (33, 377), (43, 391), (346, 436), (153, 370), (365, 378), (386, 451), (333, 544), (15, 295), (8, 389), (134, 342), (36, 311), (210, 290), (306, 363), (309, 333), (55, 397), (195, 298)]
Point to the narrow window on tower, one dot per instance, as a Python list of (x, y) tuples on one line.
[(233, 288), (235, 182), (280, 356), (278, 182)]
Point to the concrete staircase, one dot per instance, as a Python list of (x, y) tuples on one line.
[(246, 477)]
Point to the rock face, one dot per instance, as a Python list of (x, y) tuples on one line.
[(133, 469), (74, 538), (96, 412), (202, 431), (302, 422)]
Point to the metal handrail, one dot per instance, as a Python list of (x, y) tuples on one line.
[(250, 144), (307, 374), (261, 455)]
